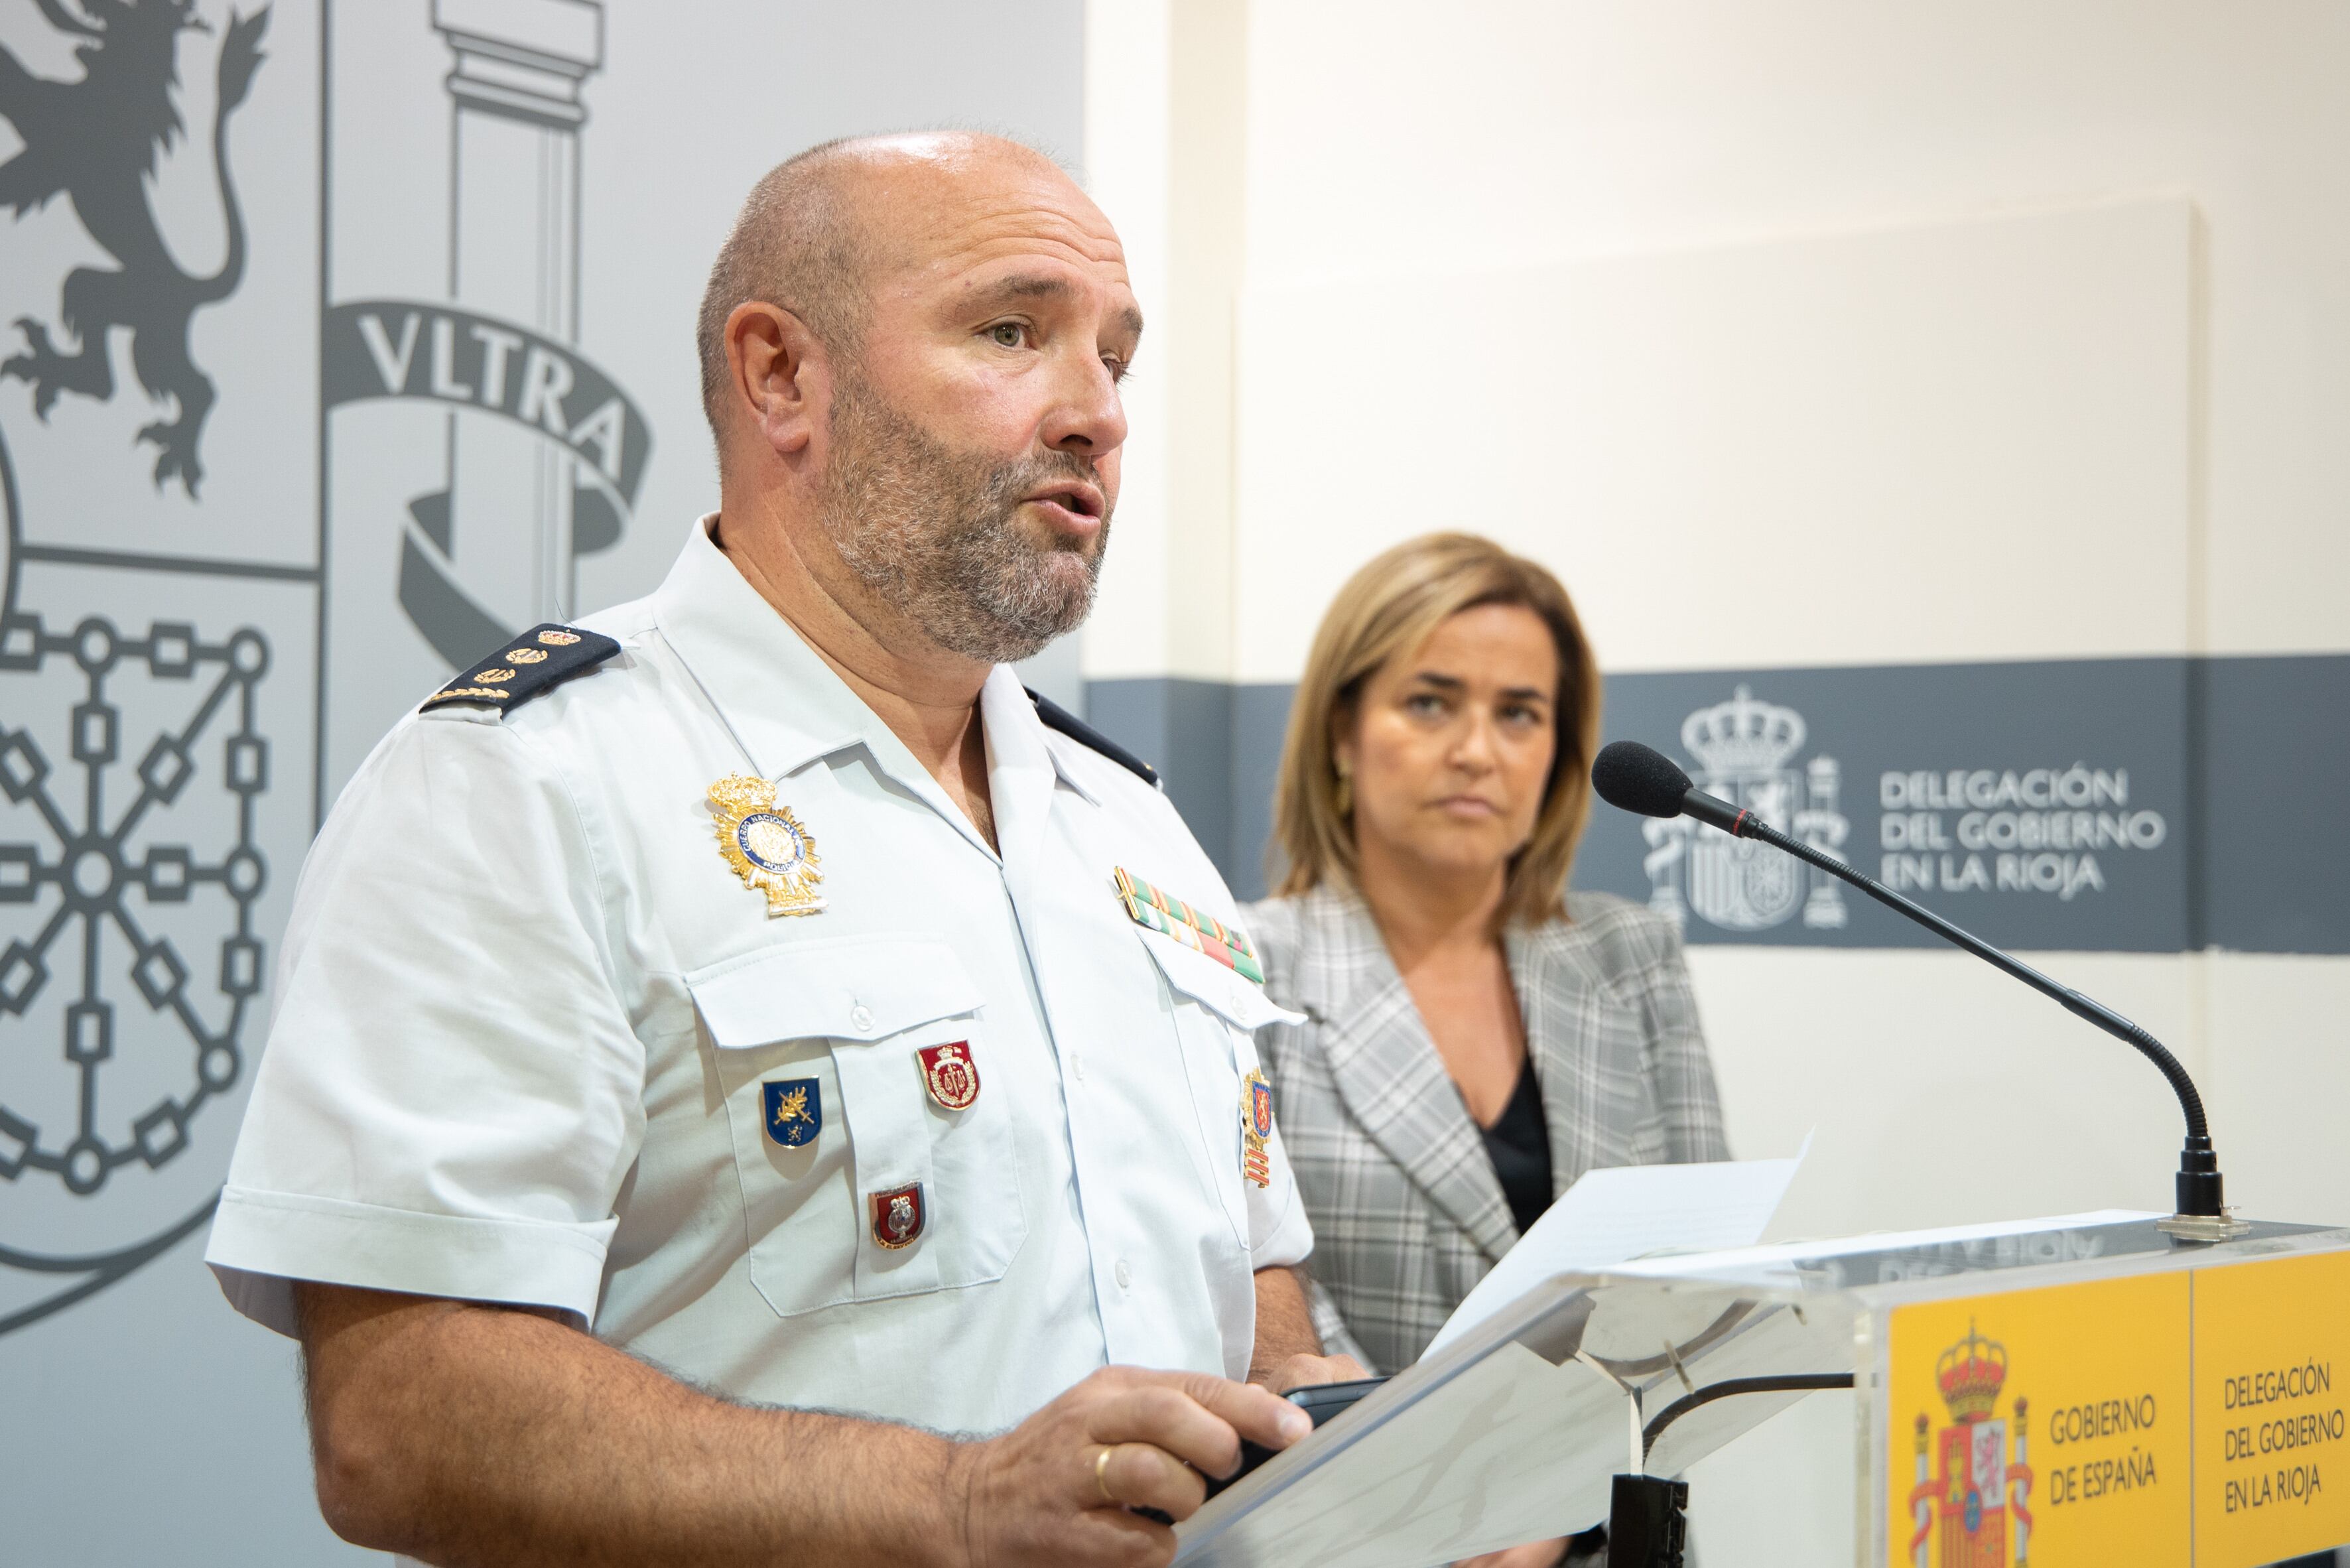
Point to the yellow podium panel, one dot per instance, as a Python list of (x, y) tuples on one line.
[(2046, 1428), (2271, 1471)]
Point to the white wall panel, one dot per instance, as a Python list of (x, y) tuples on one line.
[(2280, 1081), (1951, 442), (1127, 172), (1167, 155), (1939, 1092), (1392, 140)]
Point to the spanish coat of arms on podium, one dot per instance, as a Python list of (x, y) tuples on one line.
[(1965, 1516)]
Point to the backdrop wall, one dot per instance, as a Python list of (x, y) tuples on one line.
[(1950, 395), (437, 382)]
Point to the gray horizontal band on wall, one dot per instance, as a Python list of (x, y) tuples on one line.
[(2109, 804)]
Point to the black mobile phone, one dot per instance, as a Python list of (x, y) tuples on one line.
[(1321, 1401)]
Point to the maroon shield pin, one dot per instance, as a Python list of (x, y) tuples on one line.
[(898, 1216), (952, 1074)]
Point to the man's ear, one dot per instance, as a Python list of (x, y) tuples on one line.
[(778, 377)]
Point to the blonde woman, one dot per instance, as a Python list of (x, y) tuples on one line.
[(1476, 1036)]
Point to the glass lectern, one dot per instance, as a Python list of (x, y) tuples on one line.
[(2086, 1390)]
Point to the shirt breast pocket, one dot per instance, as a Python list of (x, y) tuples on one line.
[(862, 1180), (1217, 1014)]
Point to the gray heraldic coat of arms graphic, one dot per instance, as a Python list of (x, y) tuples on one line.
[(158, 615), (356, 444), (1745, 751)]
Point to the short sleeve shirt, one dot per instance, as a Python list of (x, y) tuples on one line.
[(930, 1151)]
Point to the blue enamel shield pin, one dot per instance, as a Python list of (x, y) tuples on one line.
[(792, 1110)]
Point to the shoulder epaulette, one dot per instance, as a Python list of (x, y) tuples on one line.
[(537, 661), (1057, 717)]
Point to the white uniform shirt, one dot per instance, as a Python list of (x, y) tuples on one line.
[(526, 1011)]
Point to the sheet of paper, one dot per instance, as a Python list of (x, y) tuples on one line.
[(1513, 1449), (1615, 1215)]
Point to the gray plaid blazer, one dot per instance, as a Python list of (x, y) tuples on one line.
[(1408, 1214)]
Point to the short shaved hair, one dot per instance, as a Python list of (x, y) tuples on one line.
[(796, 245), (800, 244)]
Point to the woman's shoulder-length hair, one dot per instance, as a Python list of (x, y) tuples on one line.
[(1389, 609)]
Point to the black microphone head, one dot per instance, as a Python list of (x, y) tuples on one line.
[(1634, 777)]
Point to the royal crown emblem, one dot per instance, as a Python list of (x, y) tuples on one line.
[(1745, 751), (1743, 735), (767, 844), (1969, 1375), (1965, 1517)]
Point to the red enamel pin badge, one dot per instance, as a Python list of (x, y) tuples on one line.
[(952, 1074), (899, 1216)]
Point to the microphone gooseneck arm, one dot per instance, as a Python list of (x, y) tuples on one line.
[(2199, 1184)]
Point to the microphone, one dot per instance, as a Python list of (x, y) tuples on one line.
[(1636, 778)]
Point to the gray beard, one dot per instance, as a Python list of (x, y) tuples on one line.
[(934, 533)]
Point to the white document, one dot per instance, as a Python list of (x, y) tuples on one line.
[(1615, 1215), (1512, 1450)]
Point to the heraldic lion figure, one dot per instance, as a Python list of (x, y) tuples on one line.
[(96, 139)]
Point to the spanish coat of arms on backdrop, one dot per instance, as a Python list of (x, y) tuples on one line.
[(1745, 750)]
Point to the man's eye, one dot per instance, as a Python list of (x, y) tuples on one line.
[(1008, 334)]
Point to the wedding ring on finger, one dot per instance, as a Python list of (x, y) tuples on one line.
[(1101, 1477)]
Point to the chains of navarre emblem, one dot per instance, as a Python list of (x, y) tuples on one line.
[(767, 844), (1256, 1126)]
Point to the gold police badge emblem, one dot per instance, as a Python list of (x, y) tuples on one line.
[(767, 846)]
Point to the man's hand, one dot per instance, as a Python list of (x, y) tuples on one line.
[(1058, 1487)]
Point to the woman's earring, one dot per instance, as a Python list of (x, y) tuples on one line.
[(1344, 796)]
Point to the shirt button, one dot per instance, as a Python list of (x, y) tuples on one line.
[(862, 1017), (1124, 1275)]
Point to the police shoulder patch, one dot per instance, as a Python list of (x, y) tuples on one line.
[(1055, 717), (534, 662)]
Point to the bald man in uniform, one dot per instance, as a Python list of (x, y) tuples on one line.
[(587, 1146)]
